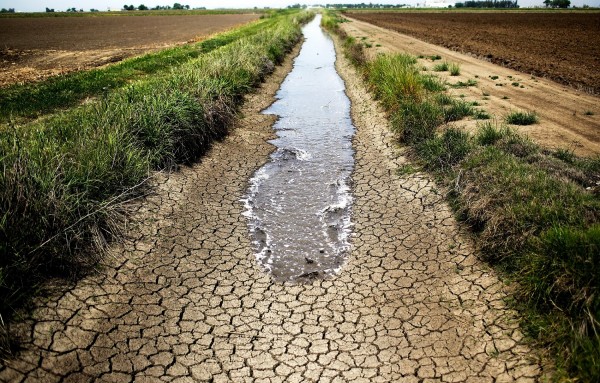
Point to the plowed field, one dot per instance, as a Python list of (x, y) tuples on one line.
[(564, 47), (35, 48)]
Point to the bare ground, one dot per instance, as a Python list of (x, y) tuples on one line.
[(562, 109), (184, 300)]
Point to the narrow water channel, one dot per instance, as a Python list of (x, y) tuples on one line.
[(298, 204)]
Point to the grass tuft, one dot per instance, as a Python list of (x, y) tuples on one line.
[(522, 118), (442, 67), (454, 69)]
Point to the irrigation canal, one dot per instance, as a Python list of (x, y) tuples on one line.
[(182, 298), (298, 204)]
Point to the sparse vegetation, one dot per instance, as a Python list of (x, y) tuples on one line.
[(464, 84), (535, 213)]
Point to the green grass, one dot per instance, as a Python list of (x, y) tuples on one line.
[(36, 99), (534, 212), (522, 118), (443, 67), (66, 178), (454, 69), (480, 114), (464, 84)]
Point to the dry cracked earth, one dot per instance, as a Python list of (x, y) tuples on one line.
[(182, 299)]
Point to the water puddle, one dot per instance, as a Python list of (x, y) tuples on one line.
[(298, 204)]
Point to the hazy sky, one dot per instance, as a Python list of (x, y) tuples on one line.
[(103, 5)]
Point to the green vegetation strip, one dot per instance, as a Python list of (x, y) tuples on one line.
[(65, 179), (535, 212), (33, 100)]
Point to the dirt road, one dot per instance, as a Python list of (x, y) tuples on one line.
[(569, 118), (183, 300)]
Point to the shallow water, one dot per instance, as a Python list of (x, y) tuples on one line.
[(298, 204)]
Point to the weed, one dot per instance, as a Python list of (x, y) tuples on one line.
[(515, 84), (489, 133), (588, 113), (435, 57), (443, 152), (443, 67), (494, 77), (457, 110), (432, 83), (522, 118), (463, 84), (454, 69), (407, 169), (479, 114)]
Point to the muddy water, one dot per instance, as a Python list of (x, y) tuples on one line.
[(298, 204)]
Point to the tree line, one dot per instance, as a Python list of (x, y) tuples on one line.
[(557, 3), (142, 7), (364, 5)]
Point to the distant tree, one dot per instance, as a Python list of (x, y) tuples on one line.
[(177, 6), (187, 7), (129, 7), (94, 10), (557, 3), (142, 7), (49, 10), (9, 10)]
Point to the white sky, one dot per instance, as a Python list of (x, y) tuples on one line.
[(103, 5)]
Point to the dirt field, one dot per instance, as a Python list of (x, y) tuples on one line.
[(564, 47), (35, 48), (569, 118)]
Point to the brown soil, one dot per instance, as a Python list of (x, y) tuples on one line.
[(564, 47), (569, 119), (35, 48)]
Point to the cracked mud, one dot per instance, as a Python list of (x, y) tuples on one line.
[(183, 300)]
